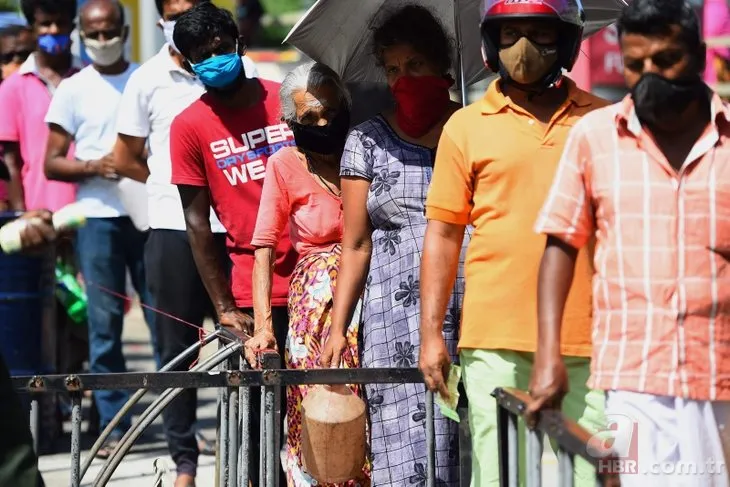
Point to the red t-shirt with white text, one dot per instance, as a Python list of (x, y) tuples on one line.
[(226, 150)]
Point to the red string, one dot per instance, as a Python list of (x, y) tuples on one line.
[(202, 332)]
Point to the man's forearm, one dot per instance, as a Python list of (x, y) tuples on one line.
[(211, 269), (70, 171), (262, 283), (134, 169), (554, 281), (16, 194), (439, 265)]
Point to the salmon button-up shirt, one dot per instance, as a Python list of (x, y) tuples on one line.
[(661, 299)]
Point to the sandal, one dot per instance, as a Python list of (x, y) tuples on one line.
[(107, 448), (205, 447)]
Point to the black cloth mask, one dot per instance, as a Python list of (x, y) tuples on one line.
[(656, 97), (323, 139)]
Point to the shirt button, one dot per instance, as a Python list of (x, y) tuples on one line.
[(675, 184), (531, 122)]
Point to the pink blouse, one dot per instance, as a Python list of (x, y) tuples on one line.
[(291, 192)]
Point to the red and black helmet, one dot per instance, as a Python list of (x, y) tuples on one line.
[(569, 13)]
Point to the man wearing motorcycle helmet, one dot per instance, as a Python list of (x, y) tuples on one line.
[(494, 166)]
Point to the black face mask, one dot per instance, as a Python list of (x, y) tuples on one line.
[(326, 139), (656, 97)]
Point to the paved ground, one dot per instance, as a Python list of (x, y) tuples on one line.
[(137, 468)]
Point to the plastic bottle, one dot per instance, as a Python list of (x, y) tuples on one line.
[(71, 295), (67, 218)]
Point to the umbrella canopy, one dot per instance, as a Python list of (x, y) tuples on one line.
[(338, 32)]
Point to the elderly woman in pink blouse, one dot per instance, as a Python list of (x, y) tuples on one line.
[(302, 187)]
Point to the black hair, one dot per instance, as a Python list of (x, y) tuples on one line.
[(62, 7), (416, 26), (14, 30), (200, 25), (655, 18), (160, 4)]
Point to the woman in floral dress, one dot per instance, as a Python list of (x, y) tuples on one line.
[(386, 170), (301, 189)]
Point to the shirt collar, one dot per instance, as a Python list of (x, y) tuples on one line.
[(495, 101), (168, 63), (30, 66), (626, 113)]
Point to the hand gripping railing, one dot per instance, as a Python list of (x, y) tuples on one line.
[(572, 441), (233, 438)]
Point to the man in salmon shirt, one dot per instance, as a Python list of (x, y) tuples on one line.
[(219, 146), (494, 165)]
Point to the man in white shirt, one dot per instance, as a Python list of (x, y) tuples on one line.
[(156, 93), (83, 111)]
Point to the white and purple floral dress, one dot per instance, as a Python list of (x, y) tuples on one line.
[(399, 173)]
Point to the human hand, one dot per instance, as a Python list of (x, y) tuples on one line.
[(263, 339), (105, 167), (548, 386), (38, 231), (334, 348), (434, 364), (237, 319)]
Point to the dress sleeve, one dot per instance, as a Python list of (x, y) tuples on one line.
[(188, 165), (357, 158), (567, 212), (450, 196), (275, 205), (9, 101)]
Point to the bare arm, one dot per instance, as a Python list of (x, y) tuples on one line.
[(357, 247), (439, 265), (57, 166), (196, 205), (549, 379), (554, 281), (130, 157), (14, 163), (263, 272)]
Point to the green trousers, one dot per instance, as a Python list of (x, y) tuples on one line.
[(485, 370), (18, 462)]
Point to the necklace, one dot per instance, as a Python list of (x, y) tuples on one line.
[(325, 183)]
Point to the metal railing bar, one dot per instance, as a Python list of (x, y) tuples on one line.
[(223, 443), (513, 447), (174, 363), (153, 411), (269, 436), (565, 468), (534, 459), (75, 439), (244, 416), (430, 441), (202, 380), (570, 436), (233, 435)]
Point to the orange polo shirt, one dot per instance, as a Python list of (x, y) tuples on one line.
[(494, 168)]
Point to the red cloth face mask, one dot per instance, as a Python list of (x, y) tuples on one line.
[(421, 101)]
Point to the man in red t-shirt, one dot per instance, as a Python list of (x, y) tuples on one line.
[(219, 146)]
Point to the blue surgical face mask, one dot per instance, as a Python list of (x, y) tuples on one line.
[(54, 43), (219, 71)]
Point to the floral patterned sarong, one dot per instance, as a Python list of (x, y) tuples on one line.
[(310, 304)]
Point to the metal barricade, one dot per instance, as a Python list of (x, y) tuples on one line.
[(228, 371), (234, 379), (571, 439)]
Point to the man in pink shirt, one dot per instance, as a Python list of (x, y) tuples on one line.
[(25, 97)]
